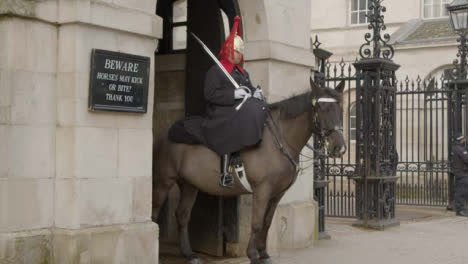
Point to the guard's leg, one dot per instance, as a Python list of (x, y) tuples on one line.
[(261, 198), (459, 201), (188, 195), (226, 178)]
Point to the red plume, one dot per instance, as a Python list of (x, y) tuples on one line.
[(227, 50)]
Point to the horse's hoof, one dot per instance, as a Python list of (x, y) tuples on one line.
[(266, 261), (195, 260)]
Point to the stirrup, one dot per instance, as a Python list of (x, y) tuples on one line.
[(226, 180)]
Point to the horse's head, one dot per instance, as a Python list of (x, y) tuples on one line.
[(327, 117)]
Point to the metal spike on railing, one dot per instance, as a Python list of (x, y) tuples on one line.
[(418, 81)]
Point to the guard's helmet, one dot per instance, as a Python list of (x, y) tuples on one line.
[(233, 42)]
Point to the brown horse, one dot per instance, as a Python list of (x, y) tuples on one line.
[(271, 167)]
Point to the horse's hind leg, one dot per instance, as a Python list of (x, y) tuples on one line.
[(188, 195), (160, 190)]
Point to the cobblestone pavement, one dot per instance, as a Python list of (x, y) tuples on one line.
[(429, 236)]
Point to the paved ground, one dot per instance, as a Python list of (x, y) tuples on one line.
[(428, 235)]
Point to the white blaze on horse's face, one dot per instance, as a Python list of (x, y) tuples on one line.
[(331, 115)]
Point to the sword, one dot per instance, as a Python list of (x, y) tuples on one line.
[(220, 66)]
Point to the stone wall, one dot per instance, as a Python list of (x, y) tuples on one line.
[(77, 181)]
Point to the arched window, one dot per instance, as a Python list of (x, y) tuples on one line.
[(352, 122)]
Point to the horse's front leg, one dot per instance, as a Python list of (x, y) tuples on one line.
[(261, 197), (188, 195), (262, 245)]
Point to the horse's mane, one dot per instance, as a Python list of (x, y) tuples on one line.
[(293, 106), (298, 104)]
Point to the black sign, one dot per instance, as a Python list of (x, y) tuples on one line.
[(119, 82)]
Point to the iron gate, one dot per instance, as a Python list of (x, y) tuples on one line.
[(425, 117)]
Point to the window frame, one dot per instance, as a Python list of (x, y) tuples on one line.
[(442, 4), (173, 25), (358, 11)]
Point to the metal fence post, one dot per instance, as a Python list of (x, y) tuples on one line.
[(376, 154)]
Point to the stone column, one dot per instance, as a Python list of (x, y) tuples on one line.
[(80, 180)]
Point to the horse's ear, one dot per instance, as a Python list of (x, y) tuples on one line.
[(316, 91), (340, 87)]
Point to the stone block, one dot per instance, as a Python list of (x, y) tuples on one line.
[(5, 86), (65, 149), (136, 243), (105, 201), (67, 203), (72, 11), (96, 152), (27, 204), (137, 45), (294, 225), (142, 5), (31, 46), (135, 152), (18, 7), (124, 19), (142, 199), (75, 112), (296, 83), (47, 10), (76, 42), (286, 22), (135, 120), (73, 85), (4, 154), (33, 98), (4, 24), (26, 247), (34, 146), (66, 112), (5, 115)]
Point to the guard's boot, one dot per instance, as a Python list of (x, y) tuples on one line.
[(226, 177), (462, 213)]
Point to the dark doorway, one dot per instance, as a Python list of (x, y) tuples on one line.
[(214, 220)]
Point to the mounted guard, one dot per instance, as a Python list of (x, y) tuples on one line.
[(235, 110)]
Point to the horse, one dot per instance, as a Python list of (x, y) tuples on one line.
[(271, 167)]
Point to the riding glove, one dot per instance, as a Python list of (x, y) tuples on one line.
[(240, 93), (259, 94)]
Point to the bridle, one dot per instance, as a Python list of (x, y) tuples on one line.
[(317, 129), (322, 133)]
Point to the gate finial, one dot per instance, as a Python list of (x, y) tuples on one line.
[(378, 44)]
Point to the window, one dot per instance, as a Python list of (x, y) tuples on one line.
[(174, 14), (435, 8), (179, 25), (352, 122), (359, 9)]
